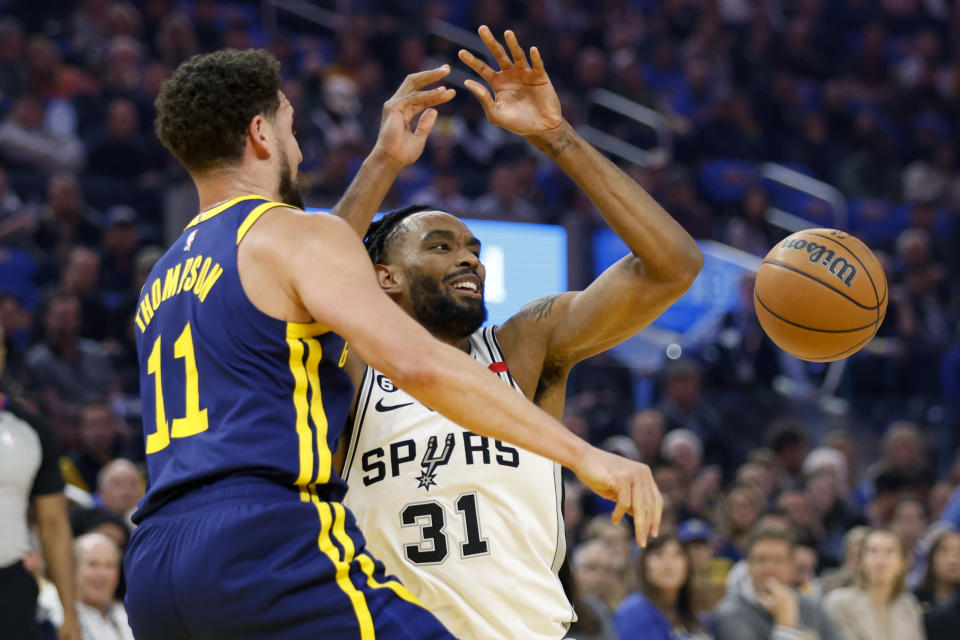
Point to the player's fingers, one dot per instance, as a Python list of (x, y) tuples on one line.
[(535, 59), (623, 504), (499, 53), (519, 58), (421, 79), (478, 65), (425, 126), (657, 511), (641, 515), (486, 101), (420, 100)]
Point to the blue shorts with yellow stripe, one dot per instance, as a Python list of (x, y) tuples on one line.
[(246, 558)]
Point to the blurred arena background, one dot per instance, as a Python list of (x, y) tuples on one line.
[(746, 119)]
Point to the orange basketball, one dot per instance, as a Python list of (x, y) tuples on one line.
[(820, 295)]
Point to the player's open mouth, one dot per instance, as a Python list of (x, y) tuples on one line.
[(469, 285)]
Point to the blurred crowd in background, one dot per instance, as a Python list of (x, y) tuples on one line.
[(860, 94)]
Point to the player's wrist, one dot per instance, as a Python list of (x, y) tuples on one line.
[(580, 453), (562, 127), (382, 162)]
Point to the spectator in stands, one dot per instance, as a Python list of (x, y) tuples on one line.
[(30, 477), (805, 562), (683, 449), (941, 576), (693, 214), (647, 428), (902, 452), (118, 152), (909, 521), (14, 328), (17, 220), (117, 265), (80, 277), (789, 443), (831, 517), (101, 441), (878, 606), (706, 573), (594, 620), (846, 574), (120, 485), (28, 143), (762, 606), (663, 608), (620, 544), (67, 370), (66, 221), (98, 574), (13, 74), (85, 520), (444, 193), (503, 200), (675, 491), (683, 406), (596, 573), (942, 623), (738, 514)]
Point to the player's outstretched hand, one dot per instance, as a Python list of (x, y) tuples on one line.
[(628, 483), (524, 100), (397, 139)]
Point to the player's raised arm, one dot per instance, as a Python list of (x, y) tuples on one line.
[(664, 259), (398, 145), (321, 263)]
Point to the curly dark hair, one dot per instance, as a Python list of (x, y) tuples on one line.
[(383, 232), (205, 107)]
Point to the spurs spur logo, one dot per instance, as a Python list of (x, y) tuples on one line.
[(430, 460)]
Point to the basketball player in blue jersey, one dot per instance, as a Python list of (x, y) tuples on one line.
[(471, 524), (242, 331)]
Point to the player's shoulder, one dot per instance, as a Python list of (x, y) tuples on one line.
[(284, 231)]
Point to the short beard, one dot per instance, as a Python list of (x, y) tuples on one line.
[(288, 190), (440, 313)]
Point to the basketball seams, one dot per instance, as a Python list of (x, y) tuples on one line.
[(838, 355), (817, 280), (804, 327), (876, 295)]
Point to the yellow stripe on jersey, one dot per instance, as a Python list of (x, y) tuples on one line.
[(334, 521), (220, 208), (317, 414), (304, 441), (367, 564), (254, 215), (364, 560), (310, 330)]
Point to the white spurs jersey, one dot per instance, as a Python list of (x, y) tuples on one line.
[(472, 526)]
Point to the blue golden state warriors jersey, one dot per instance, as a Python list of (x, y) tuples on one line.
[(226, 389)]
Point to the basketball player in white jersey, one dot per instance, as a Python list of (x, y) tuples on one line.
[(473, 525)]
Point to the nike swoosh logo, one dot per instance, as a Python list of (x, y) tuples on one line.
[(390, 407)]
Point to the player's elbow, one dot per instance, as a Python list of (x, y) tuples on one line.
[(689, 264)]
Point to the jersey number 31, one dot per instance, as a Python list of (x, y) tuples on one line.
[(430, 517)]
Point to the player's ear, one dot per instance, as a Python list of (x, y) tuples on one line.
[(258, 133), (391, 281)]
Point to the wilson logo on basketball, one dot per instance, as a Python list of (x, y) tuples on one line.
[(819, 253)]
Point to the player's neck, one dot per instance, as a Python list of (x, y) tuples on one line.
[(459, 343), (216, 187)]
